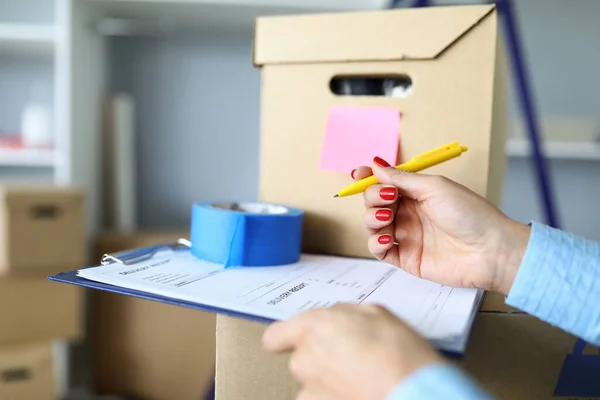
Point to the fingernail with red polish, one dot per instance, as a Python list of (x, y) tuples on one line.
[(352, 173), (381, 162), (384, 239), (383, 215), (388, 193)]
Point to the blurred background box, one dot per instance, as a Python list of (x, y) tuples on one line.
[(36, 309), (147, 349), (27, 372), (41, 230)]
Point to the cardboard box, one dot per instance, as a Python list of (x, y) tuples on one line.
[(516, 356), (513, 356), (41, 230), (163, 352), (35, 309), (454, 57), (27, 372)]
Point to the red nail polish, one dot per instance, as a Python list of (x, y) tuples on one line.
[(381, 162), (384, 239), (388, 193), (383, 215), (352, 173)]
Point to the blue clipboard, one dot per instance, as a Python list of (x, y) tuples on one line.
[(132, 257), (138, 255)]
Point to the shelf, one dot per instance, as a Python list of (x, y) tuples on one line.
[(556, 149), (27, 158), (27, 37), (161, 17)]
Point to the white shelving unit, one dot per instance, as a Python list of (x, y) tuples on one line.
[(27, 158), (38, 41), (24, 37), (51, 40), (27, 28), (560, 150), (161, 17), (27, 32)]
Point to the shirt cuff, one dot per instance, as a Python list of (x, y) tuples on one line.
[(558, 280), (438, 382)]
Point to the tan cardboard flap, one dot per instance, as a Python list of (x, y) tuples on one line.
[(26, 197), (407, 34), (27, 372)]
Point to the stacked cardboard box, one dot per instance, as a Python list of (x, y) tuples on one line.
[(27, 372), (164, 352), (453, 57), (41, 233)]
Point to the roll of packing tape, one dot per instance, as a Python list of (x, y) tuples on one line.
[(246, 234)]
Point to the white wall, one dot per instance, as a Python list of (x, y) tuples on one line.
[(577, 195), (560, 38), (560, 41), (199, 104)]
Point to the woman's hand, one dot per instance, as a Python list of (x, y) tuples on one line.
[(349, 352), (439, 230)]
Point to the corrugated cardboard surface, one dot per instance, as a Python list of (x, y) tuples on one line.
[(518, 357), (454, 98), (514, 356), (41, 230), (27, 372), (34, 309), (149, 349), (244, 370)]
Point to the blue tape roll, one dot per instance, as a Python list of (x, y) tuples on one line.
[(246, 234)]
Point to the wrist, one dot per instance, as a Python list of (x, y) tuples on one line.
[(435, 381), (402, 367), (414, 375), (514, 238)]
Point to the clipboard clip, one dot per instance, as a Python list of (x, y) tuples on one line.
[(139, 255)]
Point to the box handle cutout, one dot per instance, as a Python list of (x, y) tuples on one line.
[(395, 86), (16, 375), (45, 211)]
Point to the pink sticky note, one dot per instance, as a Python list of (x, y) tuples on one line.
[(355, 135)]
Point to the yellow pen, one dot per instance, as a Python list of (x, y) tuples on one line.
[(416, 164)]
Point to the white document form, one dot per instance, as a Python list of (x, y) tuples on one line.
[(440, 313)]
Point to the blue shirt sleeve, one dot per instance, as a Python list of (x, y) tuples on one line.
[(438, 382), (559, 282)]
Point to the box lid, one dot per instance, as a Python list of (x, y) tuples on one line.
[(23, 195), (33, 355), (399, 34)]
